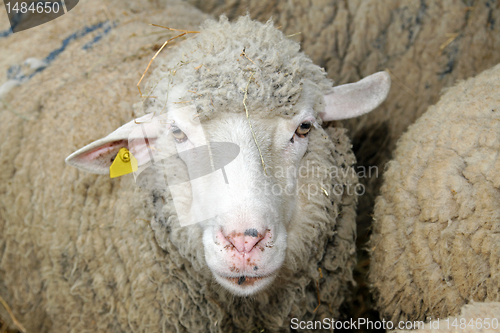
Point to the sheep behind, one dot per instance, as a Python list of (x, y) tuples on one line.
[(435, 243)]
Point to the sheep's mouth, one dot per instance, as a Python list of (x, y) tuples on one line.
[(245, 280), (245, 285)]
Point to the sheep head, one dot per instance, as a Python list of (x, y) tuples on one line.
[(236, 114)]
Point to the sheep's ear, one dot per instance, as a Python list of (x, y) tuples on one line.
[(355, 99), (98, 156)]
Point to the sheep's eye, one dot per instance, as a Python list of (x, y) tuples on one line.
[(179, 135), (303, 129)]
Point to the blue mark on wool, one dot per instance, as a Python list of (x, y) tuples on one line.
[(15, 71), (52, 56), (5, 33), (107, 28), (16, 19)]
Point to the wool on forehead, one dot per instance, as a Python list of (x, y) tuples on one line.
[(213, 69)]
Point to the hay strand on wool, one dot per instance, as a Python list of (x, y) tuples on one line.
[(11, 314), (184, 32)]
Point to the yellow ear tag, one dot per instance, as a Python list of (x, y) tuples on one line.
[(123, 164)]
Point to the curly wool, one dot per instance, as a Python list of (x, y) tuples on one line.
[(90, 256), (217, 64), (435, 243)]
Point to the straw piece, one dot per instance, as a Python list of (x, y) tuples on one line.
[(451, 38), (184, 32), (408, 90), (250, 124), (151, 61), (325, 192), (194, 92), (243, 54), (11, 314), (317, 284)]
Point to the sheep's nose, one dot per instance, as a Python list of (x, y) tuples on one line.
[(245, 241)]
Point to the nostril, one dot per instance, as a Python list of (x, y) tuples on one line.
[(251, 232), (244, 241)]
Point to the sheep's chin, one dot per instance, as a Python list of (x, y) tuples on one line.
[(244, 286)]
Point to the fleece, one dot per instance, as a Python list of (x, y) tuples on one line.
[(435, 244)]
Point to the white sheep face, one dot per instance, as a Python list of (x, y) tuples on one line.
[(246, 243), (245, 213)]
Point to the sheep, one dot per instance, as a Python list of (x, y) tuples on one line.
[(101, 259), (435, 244)]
